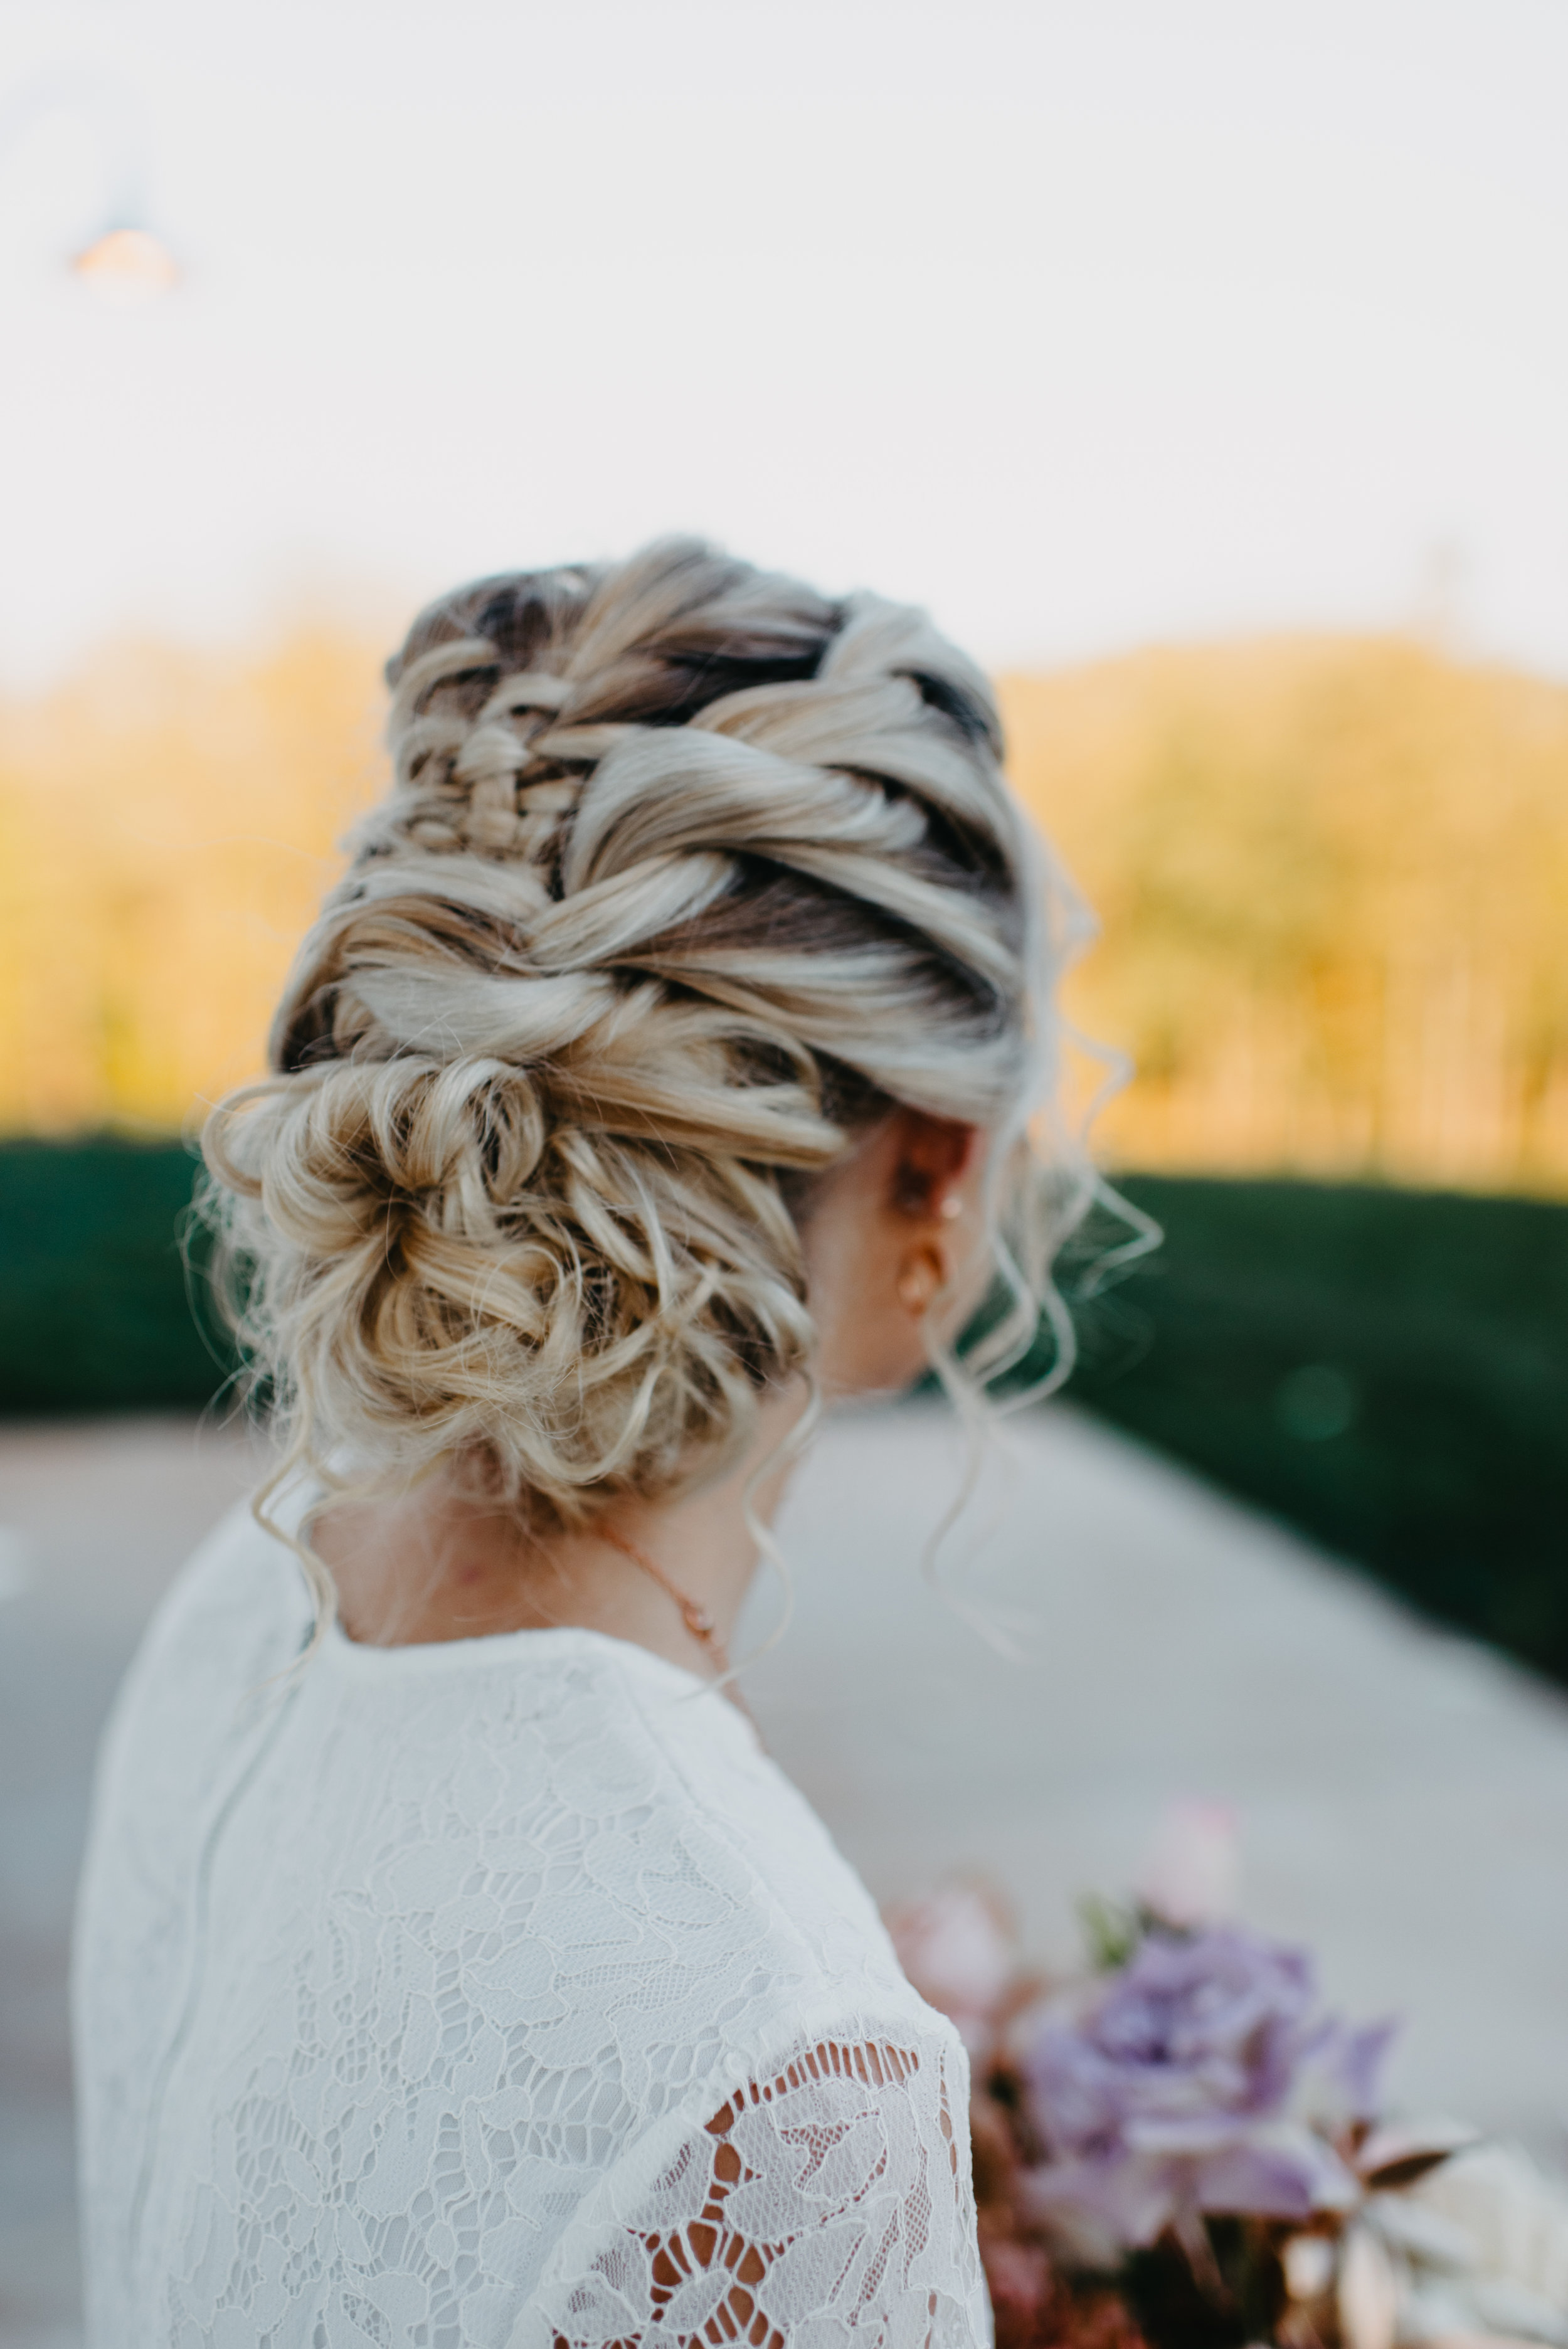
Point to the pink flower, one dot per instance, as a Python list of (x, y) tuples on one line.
[(1193, 1873), (1018, 2277), (958, 1948)]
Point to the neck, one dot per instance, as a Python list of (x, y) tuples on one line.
[(436, 1564)]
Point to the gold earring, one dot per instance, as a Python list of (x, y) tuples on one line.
[(921, 1275)]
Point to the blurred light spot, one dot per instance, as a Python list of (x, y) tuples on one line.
[(126, 265), (1315, 1402)]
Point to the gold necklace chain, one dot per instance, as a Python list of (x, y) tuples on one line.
[(697, 1618)]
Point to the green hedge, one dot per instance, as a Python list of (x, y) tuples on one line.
[(93, 1309), (1387, 1369)]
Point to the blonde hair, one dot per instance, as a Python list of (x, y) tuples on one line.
[(686, 874)]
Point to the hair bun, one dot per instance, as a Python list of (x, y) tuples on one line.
[(682, 865)]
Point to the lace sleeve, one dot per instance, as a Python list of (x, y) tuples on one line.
[(830, 2202)]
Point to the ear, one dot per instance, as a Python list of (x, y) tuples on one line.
[(931, 1157)]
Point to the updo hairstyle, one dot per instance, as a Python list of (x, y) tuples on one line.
[(687, 876)]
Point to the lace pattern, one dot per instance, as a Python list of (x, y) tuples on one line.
[(501, 1993), (819, 2205)]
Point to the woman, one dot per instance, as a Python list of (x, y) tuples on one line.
[(453, 1966)]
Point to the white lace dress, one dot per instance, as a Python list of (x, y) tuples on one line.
[(496, 1993)]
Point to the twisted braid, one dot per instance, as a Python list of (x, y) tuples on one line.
[(683, 871)]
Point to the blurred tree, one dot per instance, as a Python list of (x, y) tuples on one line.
[(1333, 877), (168, 821)]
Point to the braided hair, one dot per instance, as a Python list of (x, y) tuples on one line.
[(686, 875)]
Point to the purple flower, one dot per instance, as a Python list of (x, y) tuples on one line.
[(1174, 2088)]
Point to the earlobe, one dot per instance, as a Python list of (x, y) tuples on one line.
[(921, 1277)]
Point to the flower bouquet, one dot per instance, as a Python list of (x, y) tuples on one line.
[(1180, 2149)]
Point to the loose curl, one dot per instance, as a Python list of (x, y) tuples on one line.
[(687, 876)]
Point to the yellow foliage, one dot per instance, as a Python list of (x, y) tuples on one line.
[(167, 828), (1332, 876)]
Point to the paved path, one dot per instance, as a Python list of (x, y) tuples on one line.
[(96, 1518), (1404, 1797)]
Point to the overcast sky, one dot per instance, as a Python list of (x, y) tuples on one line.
[(1084, 321)]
